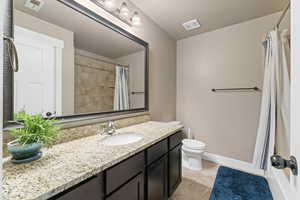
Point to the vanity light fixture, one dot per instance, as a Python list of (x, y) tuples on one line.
[(124, 10), (109, 4), (122, 13), (136, 19)]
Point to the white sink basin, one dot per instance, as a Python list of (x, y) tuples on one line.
[(122, 139)]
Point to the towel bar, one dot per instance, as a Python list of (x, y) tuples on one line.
[(235, 89), (137, 93)]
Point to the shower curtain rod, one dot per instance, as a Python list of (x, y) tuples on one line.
[(102, 60), (279, 21), (283, 15)]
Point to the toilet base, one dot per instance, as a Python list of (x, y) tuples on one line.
[(192, 162)]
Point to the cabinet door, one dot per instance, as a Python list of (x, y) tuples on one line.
[(91, 189), (174, 169), (124, 171), (157, 180), (133, 190)]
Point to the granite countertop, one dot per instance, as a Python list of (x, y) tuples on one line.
[(67, 164)]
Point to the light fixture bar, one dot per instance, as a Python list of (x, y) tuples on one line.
[(115, 13)]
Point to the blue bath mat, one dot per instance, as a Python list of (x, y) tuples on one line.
[(231, 184)]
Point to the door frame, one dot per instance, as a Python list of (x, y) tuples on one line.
[(58, 46), (295, 88), (283, 188)]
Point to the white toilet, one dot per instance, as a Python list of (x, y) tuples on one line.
[(192, 151)]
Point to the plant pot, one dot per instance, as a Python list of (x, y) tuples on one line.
[(24, 153)]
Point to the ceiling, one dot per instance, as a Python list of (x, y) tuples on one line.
[(212, 14), (88, 34)]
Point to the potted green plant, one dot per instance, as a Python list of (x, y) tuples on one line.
[(35, 132)]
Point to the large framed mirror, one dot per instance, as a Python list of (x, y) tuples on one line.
[(74, 64)]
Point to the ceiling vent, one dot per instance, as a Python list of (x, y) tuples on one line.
[(191, 25), (35, 5)]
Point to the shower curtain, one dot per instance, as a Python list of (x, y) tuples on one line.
[(274, 111), (121, 98)]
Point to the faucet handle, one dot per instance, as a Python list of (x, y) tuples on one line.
[(111, 129), (110, 124)]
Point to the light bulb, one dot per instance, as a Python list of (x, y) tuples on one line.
[(109, 4), (136, 19), (124, 11)]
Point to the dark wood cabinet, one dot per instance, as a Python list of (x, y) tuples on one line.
[(175, 140), (175, 168), (132, 190), (91, 189), (157, 180), (124, 171), (156, 151), (152, 174)]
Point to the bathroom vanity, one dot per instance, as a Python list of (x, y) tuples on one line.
[(89, 169), (153, 173)]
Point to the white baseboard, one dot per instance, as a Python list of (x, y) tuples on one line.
[(233, 163)]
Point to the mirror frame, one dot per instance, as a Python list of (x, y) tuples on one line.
[(8, 74)]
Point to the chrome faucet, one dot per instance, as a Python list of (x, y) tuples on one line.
[(111, 128)]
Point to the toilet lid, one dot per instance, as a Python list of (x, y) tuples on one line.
[(193, 144)]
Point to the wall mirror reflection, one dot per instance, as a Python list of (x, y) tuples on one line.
[(73, 65)]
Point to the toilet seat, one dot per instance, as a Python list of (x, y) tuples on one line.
[(195, 145)]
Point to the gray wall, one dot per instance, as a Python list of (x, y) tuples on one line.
[(162, 73), (228, 57), (162, 63)]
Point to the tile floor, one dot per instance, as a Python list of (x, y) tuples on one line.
[(196, 185)]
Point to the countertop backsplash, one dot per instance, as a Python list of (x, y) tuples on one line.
[(84, 131)]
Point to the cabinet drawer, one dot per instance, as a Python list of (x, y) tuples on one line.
[(175, 139), (156, 151), (92, 189), (119, 174), (133, 190)]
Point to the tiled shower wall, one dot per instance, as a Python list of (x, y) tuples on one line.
[(94, 85)]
